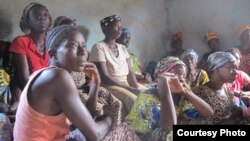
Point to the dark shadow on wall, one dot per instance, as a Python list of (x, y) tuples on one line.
[(5, 25)]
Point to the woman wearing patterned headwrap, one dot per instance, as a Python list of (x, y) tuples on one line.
[(113, 63), (29, 53), (243, 34), (195, 77), (223, 66), (104, 102), (150, 113)]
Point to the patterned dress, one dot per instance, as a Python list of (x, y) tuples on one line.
[(107, 105), (144, 118), (221, 104), (201, 78)]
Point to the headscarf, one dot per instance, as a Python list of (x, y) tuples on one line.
[(63, 20), (176, 37), (241, 29), (56, 34), (167, 64), (211, 35), (218, 59), (189, 52), (105, 22), (24, 19), (125, 30)]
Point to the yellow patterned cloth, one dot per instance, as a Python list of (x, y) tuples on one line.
[(5, 93), (200, 79), (135, 63), (183, 105), (4, 78)]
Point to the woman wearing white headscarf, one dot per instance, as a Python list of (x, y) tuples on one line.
[(195, 77), (223, 66)]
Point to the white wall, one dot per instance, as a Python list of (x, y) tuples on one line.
[(150, 21)]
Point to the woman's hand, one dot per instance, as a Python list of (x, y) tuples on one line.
[(162, 84), (133, 90), (92, 72), (175, 85), (237, 112), (147, 78)]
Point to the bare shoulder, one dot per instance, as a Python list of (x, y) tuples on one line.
[(56, 79), (55, 74), (49, 88)]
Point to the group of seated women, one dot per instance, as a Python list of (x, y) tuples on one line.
[(70, 94)]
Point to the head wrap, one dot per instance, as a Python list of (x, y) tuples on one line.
[(63, 20), (176, 37), (211, 35), (218, 59), (167, 64), (24, 19), (125, 33), (189, 52), (241, 29), (56, 34), (109, 20), (125, 30)]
